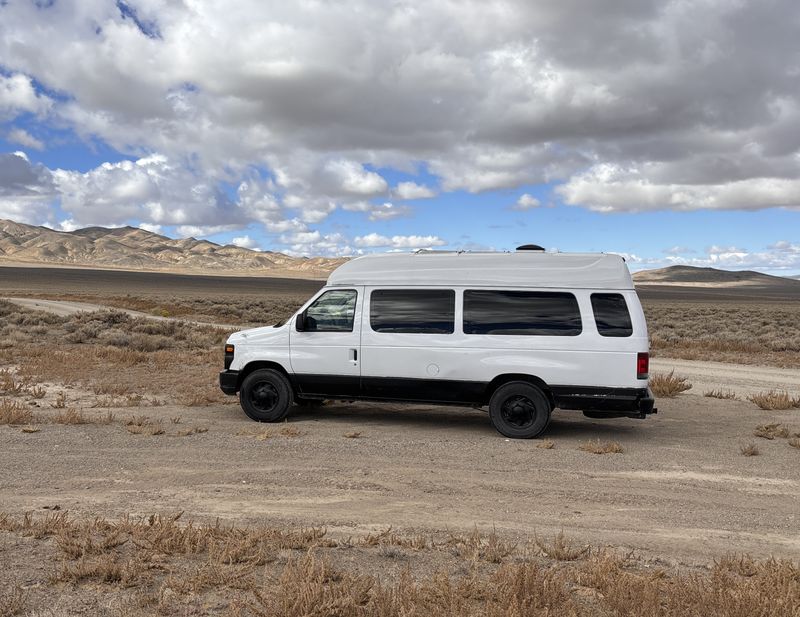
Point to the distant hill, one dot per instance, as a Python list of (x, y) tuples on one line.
[(129, 248), (711, 277)]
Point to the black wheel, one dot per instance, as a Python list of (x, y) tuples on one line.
[(519, 410), (265, 396), (309, 403)]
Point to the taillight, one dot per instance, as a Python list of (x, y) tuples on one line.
[(642, 365), (228, 356)]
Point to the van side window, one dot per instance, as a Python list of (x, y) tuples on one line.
[(413, 311), (611, 315), (532, 313), (333, 311)]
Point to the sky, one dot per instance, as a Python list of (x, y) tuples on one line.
[(666, 131)]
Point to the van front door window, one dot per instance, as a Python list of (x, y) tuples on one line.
[(333, 311)]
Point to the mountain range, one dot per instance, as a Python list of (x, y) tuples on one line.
[(130, 248)]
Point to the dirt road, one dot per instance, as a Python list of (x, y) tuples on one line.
[(681, 488)]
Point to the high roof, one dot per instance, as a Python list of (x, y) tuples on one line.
[(518, 269)]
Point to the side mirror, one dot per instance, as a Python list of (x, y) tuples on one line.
[(300, 322)]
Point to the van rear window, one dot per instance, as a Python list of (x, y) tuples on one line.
[(413, 311), (611, 315), (527, 313)]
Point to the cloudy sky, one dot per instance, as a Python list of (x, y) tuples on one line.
[(666, 131)]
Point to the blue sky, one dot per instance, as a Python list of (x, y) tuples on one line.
[(664, 133)]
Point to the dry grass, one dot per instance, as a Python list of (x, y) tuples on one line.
[(739, 332), (561, 548), (774, 400), (749, 449), (794, 442), (353, 435), (595, 446), (31, 429), (728, 395), (71, 416), (771, 431), (13, 412), (546, 444), (669, 385), (156, 565)]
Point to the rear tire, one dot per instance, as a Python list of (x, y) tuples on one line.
[(266, 396), (519, 410)]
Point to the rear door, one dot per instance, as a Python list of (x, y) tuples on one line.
[(326, 356)]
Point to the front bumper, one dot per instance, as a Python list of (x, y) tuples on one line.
[(616, 402), (229, 381)]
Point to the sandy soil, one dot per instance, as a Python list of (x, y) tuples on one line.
[(680, 492)]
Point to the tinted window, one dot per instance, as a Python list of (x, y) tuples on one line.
[(521, 312), (333, 311), (611, 315), (414, 311)]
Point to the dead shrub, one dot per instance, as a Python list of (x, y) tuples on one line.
[(476, 547), (12, 412), (595, 446), (669, 385), (771, 431), (561, 548), (794, 442), (60, 402), (546, 444), (774, 400), (729, 395), (749, 449), (30, 429), (70, 416)]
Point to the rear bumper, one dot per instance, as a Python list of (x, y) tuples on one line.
[(630, 402), (229, 381)]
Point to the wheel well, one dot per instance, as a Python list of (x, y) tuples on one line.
[(259, 364), (504, 379)]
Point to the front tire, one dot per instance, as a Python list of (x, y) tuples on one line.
[(266, 396), (519, 410)]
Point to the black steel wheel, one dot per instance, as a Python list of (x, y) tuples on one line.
[(520, 410), (265, 396)]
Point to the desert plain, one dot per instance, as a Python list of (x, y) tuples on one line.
[(130, 485)]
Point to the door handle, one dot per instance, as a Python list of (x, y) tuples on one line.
[(354, 355)]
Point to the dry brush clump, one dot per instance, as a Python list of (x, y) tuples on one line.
[(775, 400), (749, 449), (157, 565), (771, 431), (13, 412), (596, 446), (728, 395), (669, 385)]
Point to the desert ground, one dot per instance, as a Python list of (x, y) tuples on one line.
[(113, 425)]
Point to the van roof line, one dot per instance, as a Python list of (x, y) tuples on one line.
[(511, 269)]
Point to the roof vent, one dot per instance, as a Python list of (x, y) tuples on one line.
[(530, 247)]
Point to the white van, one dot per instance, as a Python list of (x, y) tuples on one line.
[(522, 332)]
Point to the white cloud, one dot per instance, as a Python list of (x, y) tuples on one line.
[(678, 250), (155, 229), (245, 242), (352, 178), (374, 240), (22, 137), (17, 94), (526, 201), (612, 188), (412, 190), (388, 211)]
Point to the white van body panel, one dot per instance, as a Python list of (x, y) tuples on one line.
[(267, 344)]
